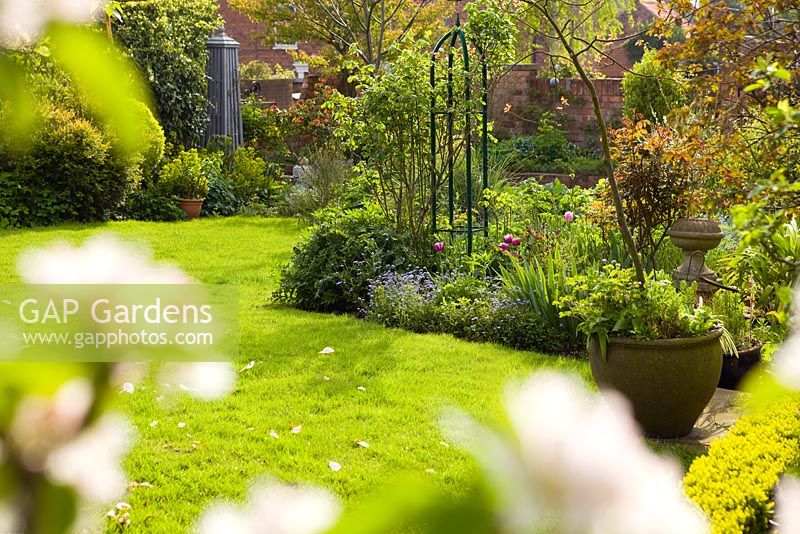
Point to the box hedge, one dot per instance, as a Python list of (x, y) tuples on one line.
[(733, 484)]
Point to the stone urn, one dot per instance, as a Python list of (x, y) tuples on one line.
[(695, 237)]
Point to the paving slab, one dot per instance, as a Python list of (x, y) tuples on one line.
[(722, 412)]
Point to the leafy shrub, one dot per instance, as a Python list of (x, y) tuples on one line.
[(148, 204), (185, 176), (220, 200), (651, 89), (167, 40), (251, 177), (264, 129), (729, 308), (656, 181), (151, 153), (68, 172), (258, 70), (330, 271), (611, 303), (734, 482)]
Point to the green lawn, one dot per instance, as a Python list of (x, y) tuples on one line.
[(408, 378)]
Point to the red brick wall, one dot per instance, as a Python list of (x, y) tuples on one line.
[(254, 42), (522, 95)]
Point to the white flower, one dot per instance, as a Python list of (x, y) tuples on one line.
[(204, 380), (787, 505), (274, 509), (580, 463), (21, 21), (100, 260), (75, 11), (90, 463), (786, 362), (41, 424)]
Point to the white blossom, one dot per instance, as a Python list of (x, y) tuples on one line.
[(100, 260), (787, 505), (274, 508), (22, 21), (579, 462), (40, 423), (90, 463), (786, 362)]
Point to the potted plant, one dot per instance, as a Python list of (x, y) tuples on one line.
[(745, 352), (650, 343), (185, 178)]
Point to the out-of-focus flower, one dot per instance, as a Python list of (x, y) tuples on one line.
[(204, 380), (787, 505), (438, 247), (22, 21), (786, 362), (569, 216), (508, 239), (516, 242), (40, 424), (100, 260), (503, 246), (90, 463), (9, 522), (578, 462), (274, 508)]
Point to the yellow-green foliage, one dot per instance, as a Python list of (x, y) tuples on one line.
[(733, 483)]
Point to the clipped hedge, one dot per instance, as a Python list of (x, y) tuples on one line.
[(733, 484)]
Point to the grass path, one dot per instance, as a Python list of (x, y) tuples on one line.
[(408, 379)]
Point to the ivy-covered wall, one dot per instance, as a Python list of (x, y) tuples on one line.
[(167, 40)]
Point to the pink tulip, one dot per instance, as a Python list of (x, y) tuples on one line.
[(508, 238), (438, 247), (569, 216), (503, 246), (516, 241)]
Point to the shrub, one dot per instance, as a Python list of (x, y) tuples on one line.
[(651, 89), (258, 70), (324, 184), (250, 176), (185, 176), (151, 153), (330, 271), (148, 204), (220, 200), (68, 172), (734, 482), (167, 40)]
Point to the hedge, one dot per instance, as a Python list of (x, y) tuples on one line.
[(733, 484)]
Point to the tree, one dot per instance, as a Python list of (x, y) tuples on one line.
[(371, 29)]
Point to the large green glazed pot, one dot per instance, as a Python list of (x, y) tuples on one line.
[(668, 381)]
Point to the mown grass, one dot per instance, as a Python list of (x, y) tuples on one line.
[(407, 380)]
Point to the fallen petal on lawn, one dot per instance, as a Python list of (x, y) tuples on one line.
[(181, 425), (248, 366), (297, 429), (153, 424), (362, 444), (326, 378), (127, 387), (335, 466), (430, 471), (444, 444), (274, 434), (327, 350), (361, 388)]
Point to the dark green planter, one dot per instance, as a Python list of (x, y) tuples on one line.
[(668, 381)]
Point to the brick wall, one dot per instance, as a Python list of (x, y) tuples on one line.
[(520, 97)]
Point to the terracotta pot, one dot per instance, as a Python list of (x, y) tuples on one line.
[(734, 369), (191, 207), (668, 381)]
